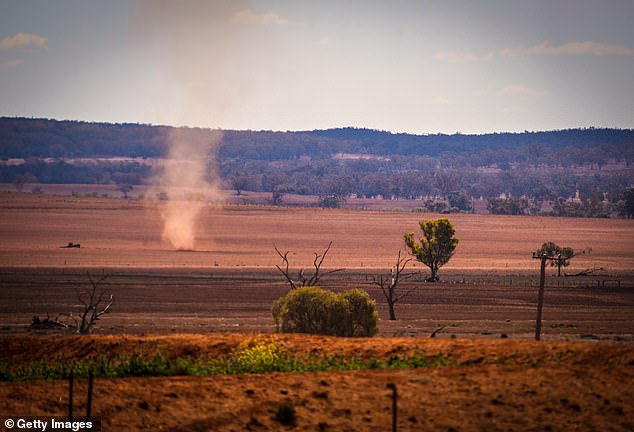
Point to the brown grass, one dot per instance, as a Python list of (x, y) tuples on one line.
[(537, 387)]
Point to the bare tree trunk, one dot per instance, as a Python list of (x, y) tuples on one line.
[(434, 273), (390, 305), (389, 284)]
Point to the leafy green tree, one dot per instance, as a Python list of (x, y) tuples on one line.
[(559, 256), (331, 201), (436, 246), (510, 206), (434, 206), (459, 200)]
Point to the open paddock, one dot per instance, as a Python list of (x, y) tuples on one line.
[(116, 233), (229, 281), (239, 300), (219, 295)]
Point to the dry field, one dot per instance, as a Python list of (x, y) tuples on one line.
[(120, 233), (492, 386), (229, 282), (219, 295)]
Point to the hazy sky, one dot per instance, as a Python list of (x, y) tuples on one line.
[(405, 66)]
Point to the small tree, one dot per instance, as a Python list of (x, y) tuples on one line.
[(21, 179), (389, 284), (125, 189), (331, 201), (277, 196), (558, 256), (629, 202), (240, 182), (436, 246), (510, 206), (459, 200)]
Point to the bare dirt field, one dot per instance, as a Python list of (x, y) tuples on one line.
[(229, 281), (216, 296), (124, 233), (229, 300)]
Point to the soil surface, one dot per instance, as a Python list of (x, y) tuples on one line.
[(493, 386), (208, 301), (125, 233), (227, 300)]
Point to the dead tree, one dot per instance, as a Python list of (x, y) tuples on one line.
[(47, 323), (95, 302), (389, 284), (438, 330), (586, 272), (302, 278)]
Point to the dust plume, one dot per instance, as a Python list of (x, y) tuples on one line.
[(193, 45), (189, 180)]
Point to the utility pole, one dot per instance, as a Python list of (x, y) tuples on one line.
[(542, 282)]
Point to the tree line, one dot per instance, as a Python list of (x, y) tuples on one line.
[(23, 137), (516, 173)]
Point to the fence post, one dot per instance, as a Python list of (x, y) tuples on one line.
[(394, 405), (70, 396), (89, 402)]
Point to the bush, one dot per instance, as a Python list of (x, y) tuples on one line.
[(259, 357), (318, 311), (363, 314)]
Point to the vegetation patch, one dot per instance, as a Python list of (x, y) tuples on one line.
[(260, 356), (318, 311)]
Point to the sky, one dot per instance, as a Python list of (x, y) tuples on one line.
[(404, 66)]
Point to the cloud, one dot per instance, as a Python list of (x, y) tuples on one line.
[(250, 17), (462, 57), (23, 40), (521, 91), (324, 41), (571, 48), (13, 63), (440, 101), (542, 49), (512, 110)]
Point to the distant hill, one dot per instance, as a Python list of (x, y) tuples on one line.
[(612, 141), (573, 172), (24, 137)]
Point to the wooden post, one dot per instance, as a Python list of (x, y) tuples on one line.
[(89, 402), (394, 405), (540, 298), (70, 396)]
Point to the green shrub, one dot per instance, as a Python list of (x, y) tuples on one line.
[(318, 311), (363, 314)]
